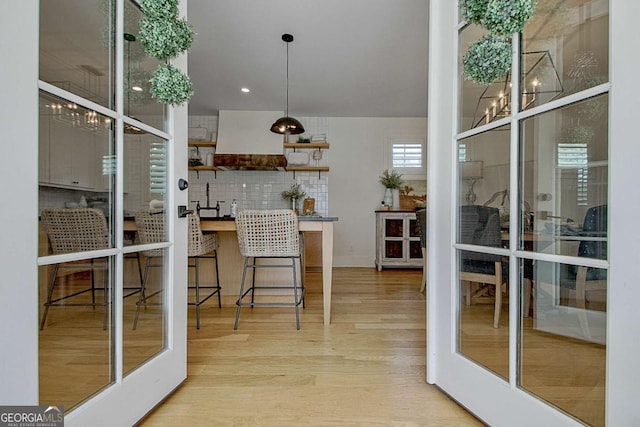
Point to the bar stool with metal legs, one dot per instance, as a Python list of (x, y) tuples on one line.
[(202, 246), (77, 230), (269, 234), (150, 227)]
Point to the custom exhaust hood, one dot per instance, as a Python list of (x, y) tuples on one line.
[(245, 142)]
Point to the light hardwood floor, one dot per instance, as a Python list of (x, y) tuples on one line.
[(366, 369)]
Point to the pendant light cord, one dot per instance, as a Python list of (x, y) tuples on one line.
[(287, 113)]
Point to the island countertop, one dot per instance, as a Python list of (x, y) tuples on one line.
[(305, 223)]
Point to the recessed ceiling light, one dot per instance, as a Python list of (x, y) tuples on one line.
[(136, 88), (245, 90)]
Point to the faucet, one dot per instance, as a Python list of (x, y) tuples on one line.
[(209, 207), (217, 208), (197, 206)]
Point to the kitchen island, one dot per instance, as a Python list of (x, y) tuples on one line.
[(231, 261), (306, 224)]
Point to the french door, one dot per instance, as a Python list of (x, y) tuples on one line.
[(103, 151), (529, 265)]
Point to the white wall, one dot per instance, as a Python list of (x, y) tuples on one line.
[(357, 160)]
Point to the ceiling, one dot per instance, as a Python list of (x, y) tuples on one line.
[(350, 58)]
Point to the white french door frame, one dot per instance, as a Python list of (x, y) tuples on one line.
[(153, 381), (494, 400)]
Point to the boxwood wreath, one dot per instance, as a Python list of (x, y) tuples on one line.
[(164, 36), (488, 59)]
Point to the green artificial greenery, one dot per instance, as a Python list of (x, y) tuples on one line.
[(473, 10), (391, 179), (504, 17), (165, 39), (160, 9), (294, 192), (488, 59), (169, 85)]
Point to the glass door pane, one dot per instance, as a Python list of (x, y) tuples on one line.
[(483, 221), (138, 69), (562, 348), (77, 48), (564, 176), (145, 275), (565, 49)]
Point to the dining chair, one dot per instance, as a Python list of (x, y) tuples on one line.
[(202, 246), (584, 280), (77, 230), (265, 234), (480, 225), (421, 217)]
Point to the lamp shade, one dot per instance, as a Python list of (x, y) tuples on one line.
[(287, 126), (471, 170)]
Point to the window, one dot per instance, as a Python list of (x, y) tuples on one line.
[(157, 168), (575, 156), (407, 156)]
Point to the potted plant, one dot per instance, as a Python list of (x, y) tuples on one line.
[(294, 193), (391, 179), (392, 182)]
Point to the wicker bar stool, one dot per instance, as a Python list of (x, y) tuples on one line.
[(77, 230), (150, 227), (202, 246), (269, 234)]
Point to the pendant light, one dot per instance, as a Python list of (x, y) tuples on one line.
[(287, 125)]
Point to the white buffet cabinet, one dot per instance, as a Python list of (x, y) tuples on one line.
[(397, 240)]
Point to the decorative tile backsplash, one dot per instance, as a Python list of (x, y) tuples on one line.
[(259, 189), (256, 189)]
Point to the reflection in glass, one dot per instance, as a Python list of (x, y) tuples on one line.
[(76, 45), (564, 173), (483, 213), (144, 317), (483, 171), (562, 339), (145, 178), (76, 342), (483, 315), (565, 50), (478, 104), (76, 166), (138, 69)]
